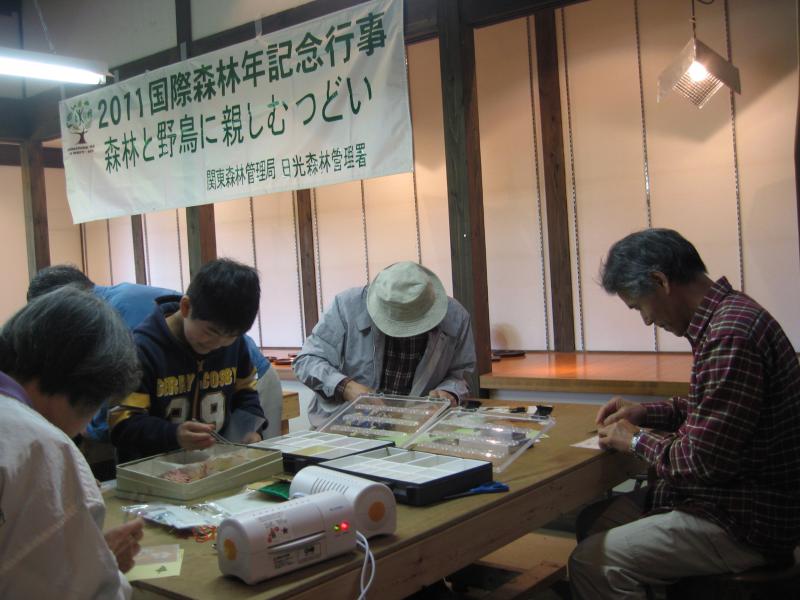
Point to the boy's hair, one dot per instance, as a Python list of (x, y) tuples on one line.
[(74, 344), (225, 293), (56, 276), (632, 261)]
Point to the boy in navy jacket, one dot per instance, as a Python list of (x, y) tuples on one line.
[(197, 374)]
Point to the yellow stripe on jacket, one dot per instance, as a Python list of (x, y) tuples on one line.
[(136, 403)]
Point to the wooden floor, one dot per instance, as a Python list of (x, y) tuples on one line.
[(640, 373)]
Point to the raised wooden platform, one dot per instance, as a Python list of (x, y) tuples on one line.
[(637, 373), (633, 373)]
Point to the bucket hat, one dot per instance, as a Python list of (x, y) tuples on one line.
[(406, 299)]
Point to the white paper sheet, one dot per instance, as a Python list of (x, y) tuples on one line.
[(593, 443)]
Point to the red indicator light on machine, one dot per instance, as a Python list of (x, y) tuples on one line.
[(344, 525)]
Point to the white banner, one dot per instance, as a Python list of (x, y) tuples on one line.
[(319, 103)]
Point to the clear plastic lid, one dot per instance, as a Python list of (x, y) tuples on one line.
[(319, 445), (390, 418), (499, 439)]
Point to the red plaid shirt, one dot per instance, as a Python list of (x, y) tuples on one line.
[(730, 452)]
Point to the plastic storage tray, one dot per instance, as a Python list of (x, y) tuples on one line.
[(232, 465), (499, 439), (416, 478), (390, 418), (303, 448)]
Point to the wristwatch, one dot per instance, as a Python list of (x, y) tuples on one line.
[(635, 440)]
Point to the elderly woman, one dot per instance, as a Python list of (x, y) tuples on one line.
[(61, 356)]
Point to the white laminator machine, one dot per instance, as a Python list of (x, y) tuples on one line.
[(374, 504), (278, 539), (318, 525)]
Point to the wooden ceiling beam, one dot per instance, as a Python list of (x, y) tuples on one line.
[(15, 125), (52, 158), (480, 13)]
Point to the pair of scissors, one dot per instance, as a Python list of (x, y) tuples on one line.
[(491, 487)]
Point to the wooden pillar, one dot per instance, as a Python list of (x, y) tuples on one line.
[(201, 234), (308, 269), (555, 182), (35, 205), (139, 262), (463, 163), (201, 230)]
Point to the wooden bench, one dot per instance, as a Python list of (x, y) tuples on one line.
[(535, 561)]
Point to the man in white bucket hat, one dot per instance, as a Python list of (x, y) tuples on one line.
[(399, 335)]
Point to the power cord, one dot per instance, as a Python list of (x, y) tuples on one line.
[(369, 559)]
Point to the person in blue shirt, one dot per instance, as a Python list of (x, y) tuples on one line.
[(134, 302)]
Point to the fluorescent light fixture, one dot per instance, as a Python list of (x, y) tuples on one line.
[(38, 65), (698, 73)]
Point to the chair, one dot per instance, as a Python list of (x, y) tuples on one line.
[(765, 583)]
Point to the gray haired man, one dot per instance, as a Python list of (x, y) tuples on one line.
[(726, 456)]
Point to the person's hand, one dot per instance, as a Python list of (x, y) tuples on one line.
[(123, 541), (617, 436), (252, 438), (618, 409), (444, 395), (193, 435), (353, 390)]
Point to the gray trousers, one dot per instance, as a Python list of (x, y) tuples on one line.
[(271, 396), (637, 558)]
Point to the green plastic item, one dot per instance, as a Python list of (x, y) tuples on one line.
[(278, 490)]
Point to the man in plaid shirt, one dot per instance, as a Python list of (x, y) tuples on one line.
[(727, 457)]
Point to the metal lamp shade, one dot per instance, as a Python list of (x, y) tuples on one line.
[(699, 90)]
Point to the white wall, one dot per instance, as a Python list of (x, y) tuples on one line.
[(12, 232), (425, 91), (511, 191), (65, 238), (265, 237), (277, 263), (166, 249), (690, 152), (689, 157)]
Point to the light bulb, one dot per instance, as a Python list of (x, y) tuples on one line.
[(697, 71)]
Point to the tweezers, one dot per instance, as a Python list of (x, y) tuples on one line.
[(220, 439)]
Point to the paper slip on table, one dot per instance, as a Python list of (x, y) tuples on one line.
[(548, 480)]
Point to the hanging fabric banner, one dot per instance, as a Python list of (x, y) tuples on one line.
[(319, 103)]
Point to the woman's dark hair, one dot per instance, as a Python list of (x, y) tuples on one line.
[(632, 261), (225, 293), (56, 276), (72, 343)]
